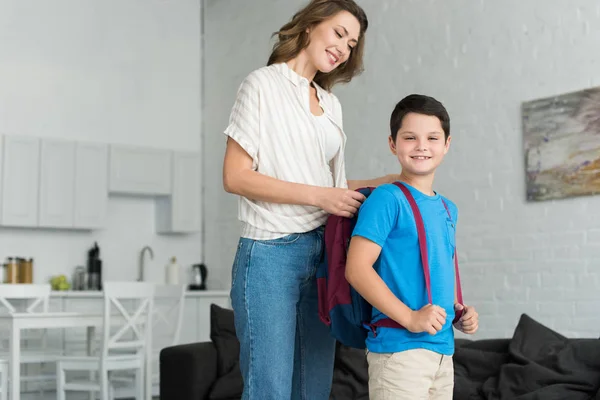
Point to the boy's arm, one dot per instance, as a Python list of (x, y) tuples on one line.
[(360, 274), (362, 254)]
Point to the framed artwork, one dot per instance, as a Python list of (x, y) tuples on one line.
[(561, 136)]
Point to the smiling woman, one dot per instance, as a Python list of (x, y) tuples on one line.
[(318, 28), (285, 161)]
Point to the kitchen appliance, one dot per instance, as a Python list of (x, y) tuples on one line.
[(94, 268), (199, 274)]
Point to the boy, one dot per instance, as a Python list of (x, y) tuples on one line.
[(384, 264)]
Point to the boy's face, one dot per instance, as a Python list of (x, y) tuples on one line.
[(420, 145)]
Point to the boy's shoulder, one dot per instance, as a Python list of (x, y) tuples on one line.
[(451, 205), (388, 193), (448, 201), (389, 188), (391, 193)]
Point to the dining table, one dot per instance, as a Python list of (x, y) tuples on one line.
[(18, 322)]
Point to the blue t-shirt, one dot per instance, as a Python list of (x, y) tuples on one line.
[(386, 219)]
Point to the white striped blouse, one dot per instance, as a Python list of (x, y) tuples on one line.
[(271, 120)]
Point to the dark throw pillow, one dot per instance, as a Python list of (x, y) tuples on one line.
[(222, 334), (229, 386)]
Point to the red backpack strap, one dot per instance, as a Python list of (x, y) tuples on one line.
[(422, 237), (459, 297), (390, 323)]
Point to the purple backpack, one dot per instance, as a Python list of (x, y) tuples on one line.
[(341, 308)]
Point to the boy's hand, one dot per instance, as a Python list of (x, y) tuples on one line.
[(469, 321), (428, 319)]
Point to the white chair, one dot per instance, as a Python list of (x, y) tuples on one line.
[(166, 321), (123, 347), (40, 294), (3, 380), (167, 318), (28, 298)]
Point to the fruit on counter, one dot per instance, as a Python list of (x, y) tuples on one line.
[(59, 282)]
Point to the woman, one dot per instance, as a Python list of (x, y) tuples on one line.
[(285, 159)]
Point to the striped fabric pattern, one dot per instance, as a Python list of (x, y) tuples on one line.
[(272, 122)]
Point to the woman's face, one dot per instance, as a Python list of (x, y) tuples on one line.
[(332, 41)]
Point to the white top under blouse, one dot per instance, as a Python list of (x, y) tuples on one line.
[(330, 135)]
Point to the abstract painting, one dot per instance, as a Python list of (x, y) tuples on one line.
[(562, 145)]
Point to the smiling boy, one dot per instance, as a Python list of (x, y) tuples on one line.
[(384, 263)]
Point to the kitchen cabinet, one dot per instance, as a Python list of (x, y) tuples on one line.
[(73, 184), (57, 183), (180, 212), (142, 171), (62, 184), (91, 185), (20, 181)]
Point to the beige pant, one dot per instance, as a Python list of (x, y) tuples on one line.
[(410, 375)]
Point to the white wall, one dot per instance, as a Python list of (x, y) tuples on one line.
[(482, 59), (236, 42), (125, 72)]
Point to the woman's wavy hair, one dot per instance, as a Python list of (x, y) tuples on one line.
[(292, 38)]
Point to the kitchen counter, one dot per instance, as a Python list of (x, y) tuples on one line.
[(95, 293)]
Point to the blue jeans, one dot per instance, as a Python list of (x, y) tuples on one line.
[(286, 352)]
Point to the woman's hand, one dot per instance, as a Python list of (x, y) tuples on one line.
[(338, 201)]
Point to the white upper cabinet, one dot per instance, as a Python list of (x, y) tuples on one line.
[(20, 181), (180, 212), (62, 184), (135, 170), (91, 185), (73, 185), (57, 184)]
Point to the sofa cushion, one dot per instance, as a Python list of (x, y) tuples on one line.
[(229, 386), (536, 363), (350, 374), (187, 371), (222, 334)]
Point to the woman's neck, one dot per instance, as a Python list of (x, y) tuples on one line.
[(302, 66)]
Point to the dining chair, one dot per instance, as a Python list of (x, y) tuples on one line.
[(124, 343)]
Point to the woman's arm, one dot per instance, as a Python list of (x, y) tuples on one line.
[(356, 184), (239, 178)]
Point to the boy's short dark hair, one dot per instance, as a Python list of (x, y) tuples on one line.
[(420, 104)]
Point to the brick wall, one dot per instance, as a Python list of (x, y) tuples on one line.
[(481, 59)]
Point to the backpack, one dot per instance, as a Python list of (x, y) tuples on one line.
[(343, 309)]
